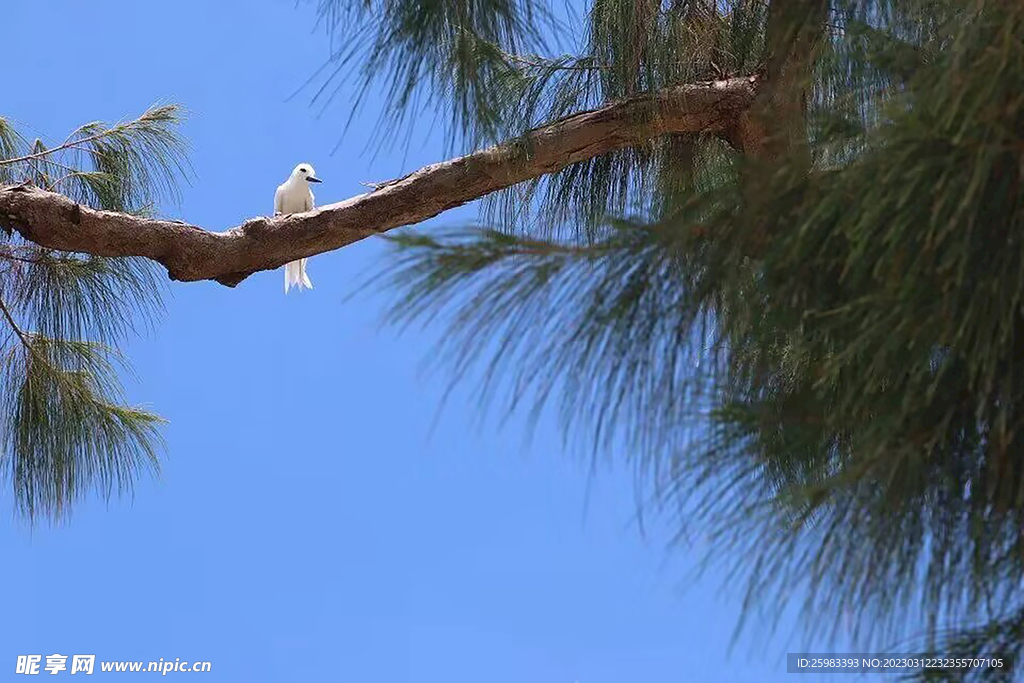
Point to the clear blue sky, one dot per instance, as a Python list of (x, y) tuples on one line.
[(309, 525)]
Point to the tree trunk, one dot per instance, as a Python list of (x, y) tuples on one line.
[(776, 125)]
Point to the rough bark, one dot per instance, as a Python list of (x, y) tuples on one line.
[(191, 253), (775, 126)]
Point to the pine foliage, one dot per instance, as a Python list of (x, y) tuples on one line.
[(65, 427), (823, 363)]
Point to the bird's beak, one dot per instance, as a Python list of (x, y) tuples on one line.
[(313, 179)]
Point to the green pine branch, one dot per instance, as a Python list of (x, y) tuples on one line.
[(65, 428)]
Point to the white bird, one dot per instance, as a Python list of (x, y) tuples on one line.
[(294, 196)]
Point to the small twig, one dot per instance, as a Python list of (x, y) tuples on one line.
[(21, 259), (58, 374), (68, 144), (14, 326)]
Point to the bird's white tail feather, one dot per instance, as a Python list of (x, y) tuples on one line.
[(295, 274)]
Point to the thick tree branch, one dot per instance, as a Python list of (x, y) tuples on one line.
[(190, 253)]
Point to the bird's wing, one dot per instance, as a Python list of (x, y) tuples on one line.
[(310, 200), (279, 201)]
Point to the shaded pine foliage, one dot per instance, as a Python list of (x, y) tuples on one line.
[(818, 356), (65, 429)]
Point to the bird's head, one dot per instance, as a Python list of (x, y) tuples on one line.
[(305, 172)]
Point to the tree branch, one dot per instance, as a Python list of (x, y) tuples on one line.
[(190, 253)]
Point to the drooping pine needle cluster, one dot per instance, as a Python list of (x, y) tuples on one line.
[(65, 428)]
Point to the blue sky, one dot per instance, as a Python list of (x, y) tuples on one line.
[(309, 524)]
